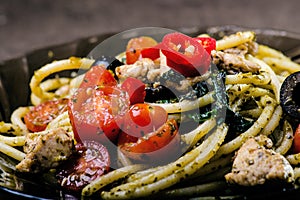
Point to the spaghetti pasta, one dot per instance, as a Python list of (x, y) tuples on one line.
[(235, 40), (188, 105), (11, 151), (17, 115), (287, 141), (164, 178), (255, 129), (248, 78), (10, 128), (57, 66), (204, 148)]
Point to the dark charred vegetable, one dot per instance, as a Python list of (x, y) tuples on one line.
[(158, 93), (161, 93), (236, 122), (202, 114), (219, 109), (290, 95), (171, 75), (111, 63), (220, 95), (200, 89)]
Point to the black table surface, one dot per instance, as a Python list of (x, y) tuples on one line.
[(26, 25)]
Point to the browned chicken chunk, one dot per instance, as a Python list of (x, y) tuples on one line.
[(229, 61), (46, 151), (254, 164)]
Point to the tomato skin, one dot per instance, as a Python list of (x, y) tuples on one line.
[(208, 43), (92, 161), (98, 75), (111, 104), (135, 89), (296, 141), (143, 118), (155, 146), (39, 116), (90, 107), (84, 122), (134, 47), (96, 113)]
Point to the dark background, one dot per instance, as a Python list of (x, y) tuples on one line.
[(26, 25)]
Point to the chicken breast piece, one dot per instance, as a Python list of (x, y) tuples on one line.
[(230, 61), (46, 151), (144, 70), (254, 164)]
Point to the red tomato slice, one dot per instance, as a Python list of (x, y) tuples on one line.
[(39, 116), (296, 142), (134, 47), (96, 113), (98, 75), (208, 43), (111, 104), (155, 146), (142, 119), (92, 161), (135, 89)]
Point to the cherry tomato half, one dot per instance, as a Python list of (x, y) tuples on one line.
[(98, 75), (91, 110), (134, 47), (143, 118), (91, 162), (296, 141), (156, 146), (95, 113), (135, 89), (39, 116)]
